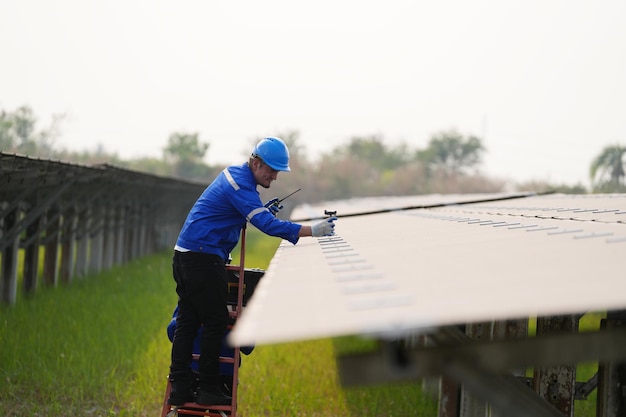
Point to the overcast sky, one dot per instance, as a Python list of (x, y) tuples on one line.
[(542, 82)]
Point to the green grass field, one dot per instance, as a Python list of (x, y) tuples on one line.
[(98, 347)]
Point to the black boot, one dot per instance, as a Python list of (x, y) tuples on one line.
[(226, 384), (210, 393), (181, 392), (213, 396)]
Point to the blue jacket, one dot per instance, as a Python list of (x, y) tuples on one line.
[(215, 221)]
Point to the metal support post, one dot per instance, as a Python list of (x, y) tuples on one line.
[(611, 399), (557, 384)]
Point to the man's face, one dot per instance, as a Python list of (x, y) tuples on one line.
[(263, 173)]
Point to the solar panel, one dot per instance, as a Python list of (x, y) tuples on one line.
[(459, 259)]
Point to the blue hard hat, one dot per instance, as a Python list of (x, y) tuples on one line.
[(273, 152)]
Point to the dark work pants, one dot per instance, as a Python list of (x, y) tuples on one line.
[(202, 288)]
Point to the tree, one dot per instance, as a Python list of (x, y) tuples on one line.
[(373, 151), (607, 169), (6, 134), (544, 187), (185, 152), (450, 152), (18, 133)]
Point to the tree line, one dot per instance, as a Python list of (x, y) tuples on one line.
[(361, 167)]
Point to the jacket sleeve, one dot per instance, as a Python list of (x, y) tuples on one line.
[(248, 203), (268, 224)]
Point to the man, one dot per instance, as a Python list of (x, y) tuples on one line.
[(209, 234)]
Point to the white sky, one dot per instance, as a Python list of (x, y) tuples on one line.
[(542, 82)]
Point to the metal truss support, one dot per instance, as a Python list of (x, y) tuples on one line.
[(611, 399), (484, 367)]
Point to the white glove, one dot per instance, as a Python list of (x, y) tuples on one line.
[(324, 228)]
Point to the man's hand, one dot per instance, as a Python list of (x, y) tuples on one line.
[(273, 206), (324, 228)]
